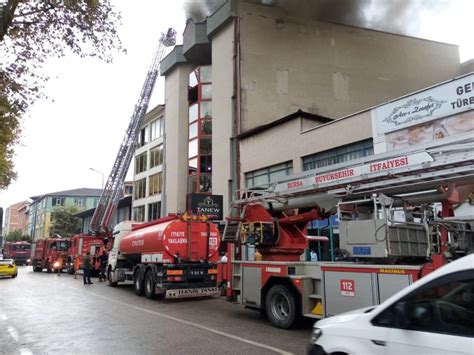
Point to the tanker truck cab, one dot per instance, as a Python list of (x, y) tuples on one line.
[(114, 258), (175, 257)]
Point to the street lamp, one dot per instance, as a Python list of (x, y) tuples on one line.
[(101, 173)]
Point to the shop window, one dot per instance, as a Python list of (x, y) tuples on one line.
[(205, 74), (154, 211), (206, 127), (156, 129), (155, 184), (192, 183), (193, 148), (205, 183), (139, 189), (206, 92), (156, 156), (265, 176), (193, 130), (205, 109), (192, 166), (140, 163), (206, 164), (205, 146), (144, 136), (193, 113), (139, 214), (339, 155)]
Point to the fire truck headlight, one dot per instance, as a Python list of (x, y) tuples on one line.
[(28, 260), (56, 264), (315, 335)]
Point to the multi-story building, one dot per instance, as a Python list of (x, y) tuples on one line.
[(252, 70), (16, 218), (42, 207), (148, 167)]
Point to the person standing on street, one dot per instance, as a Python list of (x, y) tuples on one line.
[(102, 266), (87, 269)]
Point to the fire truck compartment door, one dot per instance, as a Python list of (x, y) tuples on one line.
[(346, 291), (251, 286), (390, 284)]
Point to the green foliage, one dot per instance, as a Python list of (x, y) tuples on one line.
[(31, 32), (17, 235), (64, 223)]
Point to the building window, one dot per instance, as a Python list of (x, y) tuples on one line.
[(140, 163), (155, 183), (339, 155), (156, 156), (140, 189), (79, 202), (154, 211), (58, 201), (265, 176), (200, 130), (156, 129), (144, 136), (139, 214)]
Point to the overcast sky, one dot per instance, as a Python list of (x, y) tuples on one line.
[(90, 103)]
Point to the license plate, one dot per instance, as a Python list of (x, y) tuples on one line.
[(196, 272), (192, 292)]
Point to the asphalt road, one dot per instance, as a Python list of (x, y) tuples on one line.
[(42, 313)]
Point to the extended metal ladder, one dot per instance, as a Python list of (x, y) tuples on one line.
[(113, 189)]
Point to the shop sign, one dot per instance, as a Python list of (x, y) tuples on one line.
[(207, 205), (444, 100)]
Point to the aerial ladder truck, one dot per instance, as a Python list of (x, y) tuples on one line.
[(396, 224), (99, 227)]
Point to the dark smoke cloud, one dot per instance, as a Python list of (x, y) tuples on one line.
[(198, 10)]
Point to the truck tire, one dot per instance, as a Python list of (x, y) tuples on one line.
[(36, 267), (138, 283), (150, 291), (48, 268), (109, 279), (280, 306)]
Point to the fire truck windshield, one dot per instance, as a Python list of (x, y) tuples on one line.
[(60, 246), (21, 247)]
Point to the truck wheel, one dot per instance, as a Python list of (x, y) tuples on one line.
[(48, 268), (138, 283), (280, 306), (109, 279), (150, 291)]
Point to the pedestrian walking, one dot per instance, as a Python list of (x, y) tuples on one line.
[(102, 266), (86, 267)]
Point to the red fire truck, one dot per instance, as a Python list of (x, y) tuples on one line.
[(18, 251), (396, 224), (50, 254), (80, 245)]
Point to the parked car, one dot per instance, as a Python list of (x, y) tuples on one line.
[(8, 268), (434, 315)]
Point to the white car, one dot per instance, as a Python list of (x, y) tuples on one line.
[(434, 315)]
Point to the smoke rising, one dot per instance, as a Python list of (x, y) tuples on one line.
[(198, 10)]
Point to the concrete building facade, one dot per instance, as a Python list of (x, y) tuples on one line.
[(148, 167), (267, 63)]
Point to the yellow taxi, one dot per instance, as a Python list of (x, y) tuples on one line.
[(8, 268)]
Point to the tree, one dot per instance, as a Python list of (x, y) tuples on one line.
[(17, 235), (31, 32), (64, 223)]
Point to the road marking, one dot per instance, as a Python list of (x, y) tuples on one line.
[(13, 333), (179, 320), (25, 351)]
